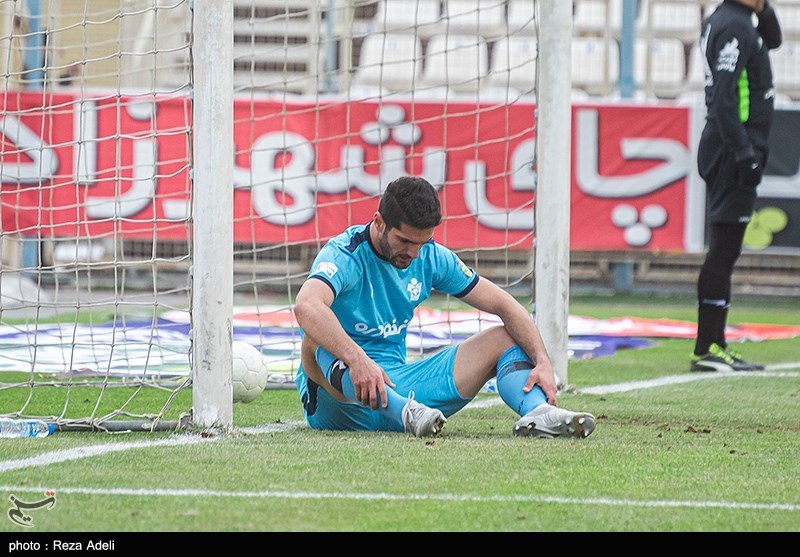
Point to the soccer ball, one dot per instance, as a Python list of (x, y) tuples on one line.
[(249, 372)]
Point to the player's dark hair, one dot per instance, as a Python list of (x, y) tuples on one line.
[(412, 201)]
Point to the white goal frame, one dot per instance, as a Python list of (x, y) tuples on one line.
[(212, 272), (213, 217), (553, 156), (213, 156)]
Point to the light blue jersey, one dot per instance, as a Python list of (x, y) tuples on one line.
[(374, 300)]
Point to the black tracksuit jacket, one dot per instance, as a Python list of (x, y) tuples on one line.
[(739, 88)]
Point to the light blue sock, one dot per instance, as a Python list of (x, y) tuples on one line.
[(513, 369), (393, 411)]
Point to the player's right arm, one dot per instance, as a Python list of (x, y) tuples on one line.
[(314, 315), (729, 49), (769, 28)]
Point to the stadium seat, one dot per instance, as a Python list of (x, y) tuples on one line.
[(677, 19), (412, 16), (521, 16), (596, 17), (789, 16), (459, 62), (579, 96), (484, 17), (667, 66), (786, 69), (595, 65), (392, 61), (514, 64), (695, 75)]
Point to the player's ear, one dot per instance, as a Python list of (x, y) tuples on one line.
[(377, 218)]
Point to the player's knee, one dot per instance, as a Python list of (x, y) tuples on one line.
[(309, 344), (501, 339)]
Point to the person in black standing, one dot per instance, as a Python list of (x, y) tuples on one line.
[(740, 98)]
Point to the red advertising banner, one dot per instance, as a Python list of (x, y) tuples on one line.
[(93, 167), (629, 172), (304, 171)]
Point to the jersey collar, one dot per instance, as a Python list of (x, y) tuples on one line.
[(371, 245)]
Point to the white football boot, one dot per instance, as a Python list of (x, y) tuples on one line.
[(550, 421), (422, 420)]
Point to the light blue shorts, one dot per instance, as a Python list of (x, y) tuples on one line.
[(431, 379)]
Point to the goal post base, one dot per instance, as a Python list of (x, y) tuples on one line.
[(125, 426)]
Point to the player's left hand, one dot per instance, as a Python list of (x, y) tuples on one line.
[(542, 374)]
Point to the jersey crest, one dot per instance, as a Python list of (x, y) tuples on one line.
[(414, 289)]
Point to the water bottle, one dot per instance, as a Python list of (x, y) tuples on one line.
[(25, 428)]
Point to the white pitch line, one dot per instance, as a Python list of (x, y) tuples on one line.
[(87, 451), (272, 428), (484, 402), (408, 497), (678, 379), (789, 365)]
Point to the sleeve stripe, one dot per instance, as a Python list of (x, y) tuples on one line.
[(326, 281), (469, 287)]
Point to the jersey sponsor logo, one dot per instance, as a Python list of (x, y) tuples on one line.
[(728, 56), (414, 289), (386, 330), (464, 269), (327, 268)]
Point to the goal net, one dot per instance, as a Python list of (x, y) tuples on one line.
[(332, 99)]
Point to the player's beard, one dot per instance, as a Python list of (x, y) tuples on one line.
[(399, 261)]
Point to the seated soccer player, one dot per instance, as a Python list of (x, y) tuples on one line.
[(354, 310)]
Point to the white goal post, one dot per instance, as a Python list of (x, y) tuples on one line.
[(212, 271), (554, 127)]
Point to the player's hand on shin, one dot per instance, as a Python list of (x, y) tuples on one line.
[(370, 380), (542, 374)]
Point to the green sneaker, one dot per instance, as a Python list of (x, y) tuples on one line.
[(741, 363), (721, 359)]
